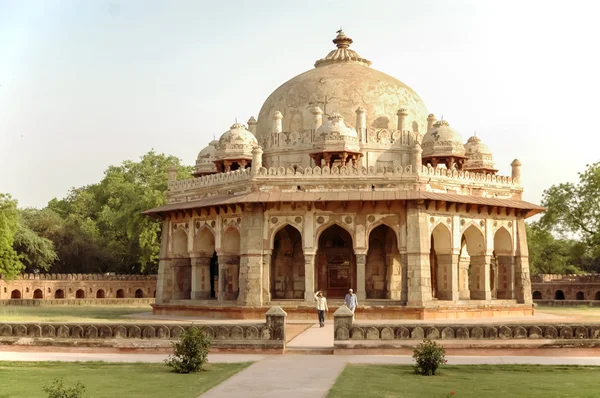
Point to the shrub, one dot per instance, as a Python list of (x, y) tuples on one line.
[(429, 356), (58, 390), (190, 352)]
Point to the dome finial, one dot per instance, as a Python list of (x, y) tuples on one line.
[(341, 40)]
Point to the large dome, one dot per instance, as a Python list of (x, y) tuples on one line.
[(341, 82)]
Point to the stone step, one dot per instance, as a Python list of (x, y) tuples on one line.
[(309, 351)]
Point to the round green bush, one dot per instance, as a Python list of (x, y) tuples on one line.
[(190, 352), (429, 356)]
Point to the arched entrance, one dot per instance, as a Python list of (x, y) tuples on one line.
[(59, 294), (336, 263), (580, 296), (229, 262), (475, 245), (382, 255), (80, 294), (100, 294), (559, 295), (38, 294), (182, 269), (597, 297), (502, 275), (15, 294), (440, 260), (205, 267), (287, 265), (139, 293), (120, 293), (537, 295)]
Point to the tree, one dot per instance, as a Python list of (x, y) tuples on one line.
[(575, 208), (10, 264), (548, 255), (35, 252)]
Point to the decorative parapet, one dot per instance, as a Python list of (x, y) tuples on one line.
[(548, 278), (468, 332), (86, 277), (439, 174), (268, 334)]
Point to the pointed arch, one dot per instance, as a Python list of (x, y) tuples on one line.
[(278, 228), (383, 257), (38, 294), (229, 260), (287, 264), (179, 247), (330, 224), (503, 244), (204, 242), (336, 263), (475, 240), (387, 224), (230, 244), (502, 276), (440, 260), (476, 249)]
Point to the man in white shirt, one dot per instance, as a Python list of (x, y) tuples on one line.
[(321, 307), (351, 301)]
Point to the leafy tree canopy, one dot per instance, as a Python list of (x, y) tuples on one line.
[(10, 263)]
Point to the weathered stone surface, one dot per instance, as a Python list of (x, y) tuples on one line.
[(48, 331), (387, 333), (433, 333), (34, 331), (163, 332), (134, 332), (357, 333), (176, 332), (105, 332), (477, 333), (341, 334), (120, 332), (550, 332), (566, 332), (76, 331), (417, 333), (519, 332), (594, 332), (402, 333), (5, 330), (148, 332), (222, 333), (504, 333), (490, 332), (91, 332), (236, 333), (462, 333), (580, 332), (372, 333), (19, 330), (251, 333), (63, 332), (535, 333), (266, 334), (447, 333)]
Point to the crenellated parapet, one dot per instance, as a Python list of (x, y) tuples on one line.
[(86, 277)]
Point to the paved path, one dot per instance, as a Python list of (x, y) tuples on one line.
[(314, 337)]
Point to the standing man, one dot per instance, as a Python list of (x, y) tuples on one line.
[(321, 307), (351, 301)]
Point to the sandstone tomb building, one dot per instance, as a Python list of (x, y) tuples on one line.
[(345, 181)]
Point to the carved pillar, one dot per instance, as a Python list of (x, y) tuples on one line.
[(464, 292), (309, 276), (266, 275), (182, 278), (455, 275), (394, 277), (418, 244), (222, 277), (480, 277), (361, 285), (251, 257), (522, 279), (200, 278), (164, 283)]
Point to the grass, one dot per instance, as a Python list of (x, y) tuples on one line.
[(581, 312), (74, 313), (27, 379), (529, 381)]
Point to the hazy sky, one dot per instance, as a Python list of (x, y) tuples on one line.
[(88, 84)]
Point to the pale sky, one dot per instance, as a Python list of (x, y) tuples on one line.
[(88, 84)]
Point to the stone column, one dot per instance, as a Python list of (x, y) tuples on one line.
[(309, 276), (394, 277), (455, 275), (522, 278), (361, 285), (222, 277), (200, 278), (182, 278), (343, 319), (164, 283), (480, 277), (418, 244), (251, 250), (276, 322), (266, 277), (464, 291)]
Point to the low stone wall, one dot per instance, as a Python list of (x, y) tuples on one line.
[(121, 302), (568, 303), (345, 329), (267, 335)]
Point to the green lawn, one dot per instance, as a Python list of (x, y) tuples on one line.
[(469, 381), (27, 379), (578, 313), (73, 313)]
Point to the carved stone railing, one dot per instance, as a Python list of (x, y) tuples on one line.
[(269, 334), (346, 329), (391, 173), (86, 277), (549, 278)]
